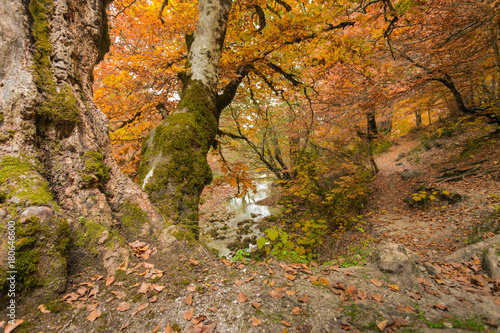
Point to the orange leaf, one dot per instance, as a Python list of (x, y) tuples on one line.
[(239, 283), (110, 280), (123, 306), (188, 315), (393, 287), (94, 315), (256, 305), (189, 300), (324, 281), (296, 310), (287, 324), (256, 322), (241, 297), (376, 282), (290, 277), (381, 326), (12, 326)]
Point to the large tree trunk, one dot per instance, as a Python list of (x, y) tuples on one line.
[(175, 169), (55, 156)]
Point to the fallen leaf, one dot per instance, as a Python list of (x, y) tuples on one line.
[(119, 294), (339, 285), (168, 329), (256, 305), (242, 298), (144, 288), (441, 306), (214, 309), (140, 308), (303, 328), (94, 315), (256, 322), (345, 327), (156, 329), (43, 309), (124, 326), (296, 310), (393, 287), (239, 283), (348, 273), (290, 277), (12, 326), (191, 289), (92, 307), (188, 315), (158, 288), (272, 283), (189, 300), (287, 324), (199, 319), (324, 281), (123, 306), (110, 280), (407, 308), (290, 292), (82, 291), (351, 290), (416, 296), (313, 278), (376, 282), (376, 297), (304, 299), (381, 326), (276, 294), (153, 299), (249, 279)]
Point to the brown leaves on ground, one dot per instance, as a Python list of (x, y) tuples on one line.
[(189, 300), (140, 308), (296, 311), (276, 294), (94, 315), (324, 281), (256, 322), (110, 280), (290, 277), (382, 325), (123, 306), (188, 315), (256, 305), (43, 309), (376, 282), (304, 299), (12, 326), (239, 283), (393, 287), (242, 298)]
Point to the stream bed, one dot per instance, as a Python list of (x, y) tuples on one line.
[(242, 226)]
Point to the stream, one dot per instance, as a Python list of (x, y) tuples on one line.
[(243, 225)]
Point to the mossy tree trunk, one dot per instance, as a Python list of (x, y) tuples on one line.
[(58, 180), (175, 169)]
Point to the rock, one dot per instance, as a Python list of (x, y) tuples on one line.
[(395, 258), (168, 236), (3, 213), (410, 174), (464, 254), (113, 257), (431, 269), (490, 264), (400, 156), (104, 237), (42, 212)]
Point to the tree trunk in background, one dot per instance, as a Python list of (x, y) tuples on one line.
[(175, 168), (55, 155), (418, 118), (371, 128)]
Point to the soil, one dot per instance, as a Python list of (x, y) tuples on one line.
[(435, 280)]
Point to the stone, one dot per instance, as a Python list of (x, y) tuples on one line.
[(396, 259), (410, 174), (43, 213), (490, 264), (104, 237), (113, 257), (431, 269)]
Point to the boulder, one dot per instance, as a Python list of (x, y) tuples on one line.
[(396, 259), (42, 212), (410, 174)]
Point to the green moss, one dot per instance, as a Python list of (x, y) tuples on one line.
[(94, 167), (88, 238), (1, 117), (59, 105), (19, 178), (183, 139), (133, 216)]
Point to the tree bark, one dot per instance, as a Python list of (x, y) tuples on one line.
[(56, 160), (174, 170), (371, 128)]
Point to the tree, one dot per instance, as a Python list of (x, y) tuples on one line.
[(58, 180)]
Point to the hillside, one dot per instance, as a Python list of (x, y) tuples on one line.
[(423, 257)]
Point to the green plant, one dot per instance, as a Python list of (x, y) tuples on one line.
[(241, 254), (357, 255), (472, 324)]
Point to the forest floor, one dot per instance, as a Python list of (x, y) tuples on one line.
[(427, 264)]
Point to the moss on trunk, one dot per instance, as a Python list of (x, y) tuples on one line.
[(175, 168)]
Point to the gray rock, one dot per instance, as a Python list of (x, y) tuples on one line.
[(410, 174), (395, 258), (431, 269), (43, 213), (490, 264), (465, 254)]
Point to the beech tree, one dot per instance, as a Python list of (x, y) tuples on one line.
[(58, 180)]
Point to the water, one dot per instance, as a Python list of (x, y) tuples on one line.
[(244, 209)]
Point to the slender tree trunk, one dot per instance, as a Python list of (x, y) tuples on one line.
[(448, 82), (371, 128), (56, 160), (175, 169), (418, 118)]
